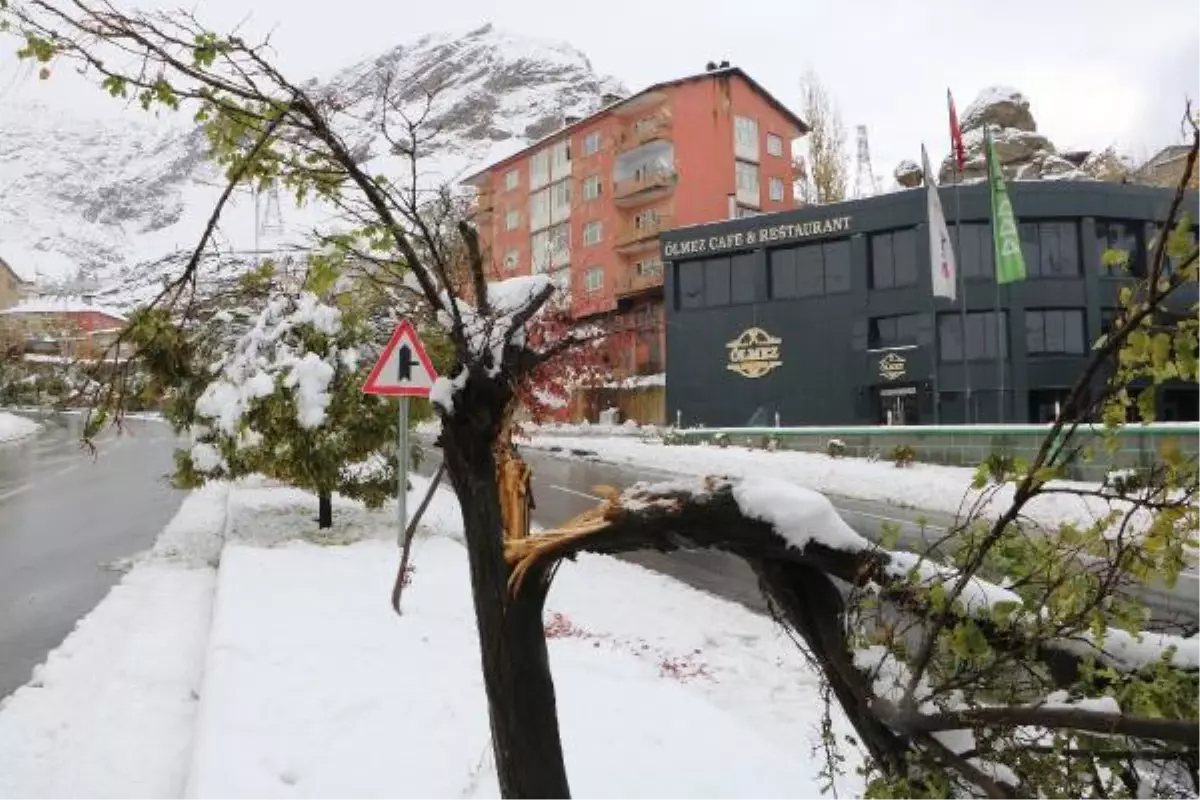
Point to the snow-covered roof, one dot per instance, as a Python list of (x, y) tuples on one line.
[(61, 305), (23, 278), (712, 73)]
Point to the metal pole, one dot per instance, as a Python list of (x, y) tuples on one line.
[(402, 459), (962, 290), (1001, 351)]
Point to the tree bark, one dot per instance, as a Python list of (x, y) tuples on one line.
[(324, 510), (516, 665)]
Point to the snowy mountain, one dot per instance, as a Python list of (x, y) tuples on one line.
[(111, 198)]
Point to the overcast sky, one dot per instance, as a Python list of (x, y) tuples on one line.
[(1097, 72)]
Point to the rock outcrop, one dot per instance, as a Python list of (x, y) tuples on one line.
[(1023, 152), (908, 174)]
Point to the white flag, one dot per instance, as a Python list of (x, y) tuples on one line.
[(941, 254)]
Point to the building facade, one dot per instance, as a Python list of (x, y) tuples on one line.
[(12, 286), (825, 316), (587, 203), (66, 327)]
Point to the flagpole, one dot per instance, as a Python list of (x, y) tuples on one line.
[(955, 139), (1001, 343), (962, 289)]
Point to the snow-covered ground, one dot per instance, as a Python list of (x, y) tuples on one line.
[(13, 427), (930, 487), (311, 686)]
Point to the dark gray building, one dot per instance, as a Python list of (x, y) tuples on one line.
[(825, 315)]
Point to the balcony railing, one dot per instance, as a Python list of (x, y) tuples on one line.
[(646, 129), (645, 278), (644, 182), (643, 230)]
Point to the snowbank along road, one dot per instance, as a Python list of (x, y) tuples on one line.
[(64, 518), (563, 487)]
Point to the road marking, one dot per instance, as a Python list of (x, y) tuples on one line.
[(14, 492), (574, 492), (67, 469), (914, 523)]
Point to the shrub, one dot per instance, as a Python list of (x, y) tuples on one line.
[(835, 448), (903, 455), (721, 440)]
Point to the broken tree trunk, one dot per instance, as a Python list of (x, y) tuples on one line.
[(516, 665)]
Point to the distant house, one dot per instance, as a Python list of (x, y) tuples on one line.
[(1166, 168), (64, 327), (12, 286)]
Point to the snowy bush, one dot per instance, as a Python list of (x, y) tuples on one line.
[(282, 398), (835, 448)]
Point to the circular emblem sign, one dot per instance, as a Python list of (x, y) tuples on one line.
[(892, 367), (754, 353)]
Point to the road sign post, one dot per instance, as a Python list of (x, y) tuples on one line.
[(403, 371)]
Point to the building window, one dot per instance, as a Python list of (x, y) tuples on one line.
[(1153, 230), (741, 212), (975, 249), (774, 144), (646, 220), (595, 279), (894, 259), (511, 259), (776, 187), (560, 201), (1126, 239), (896, 331), (512, 179), (591, 143), (745, 138), (716, 282), (649, 268), (747, 180), (691, 284), (539, 169), (593, 232), (982, 341), (512, 219), (591, 187), (1054, 331), (811, 270), (1051, 249)]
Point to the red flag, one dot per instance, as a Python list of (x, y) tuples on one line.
[(960, 152)]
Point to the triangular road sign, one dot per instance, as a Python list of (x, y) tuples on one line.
[(404, 368)]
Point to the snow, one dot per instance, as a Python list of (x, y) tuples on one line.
[(797, 514), (1125, 649), (976, 595), (112, 710), (13, 427), (206, 458), (1100, 705), (311, 377), (310, 686), (61, 305), (444, 389), (990, 96), (930, 487)]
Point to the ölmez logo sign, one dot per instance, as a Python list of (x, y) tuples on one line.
[(754, 353)]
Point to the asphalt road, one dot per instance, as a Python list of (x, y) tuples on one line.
[(64, 517), (563, 487)]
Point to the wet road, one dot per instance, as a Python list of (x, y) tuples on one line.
[(63, 517), (562, 488)]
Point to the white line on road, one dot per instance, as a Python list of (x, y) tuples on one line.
[(14, 492), (927, 526), (574, 492)]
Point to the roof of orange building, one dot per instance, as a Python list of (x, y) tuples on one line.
[(712, 73)]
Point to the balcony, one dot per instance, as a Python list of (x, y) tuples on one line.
[(646, 129), (646, 279), (641, 233), (644, 187)]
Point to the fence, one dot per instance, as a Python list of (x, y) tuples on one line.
[(968, 445)]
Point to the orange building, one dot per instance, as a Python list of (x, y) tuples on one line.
[(586, 203)]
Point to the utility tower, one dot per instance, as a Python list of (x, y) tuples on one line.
[(268, 219), (865, 182)]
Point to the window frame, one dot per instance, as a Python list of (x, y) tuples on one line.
[(512, 219), (589, 287), (1043, 316), (773, 183), (589, 182), (512, 179), (774, 144), (591, 144), (597, 226)]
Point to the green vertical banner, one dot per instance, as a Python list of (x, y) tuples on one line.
[(1010, 263)]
